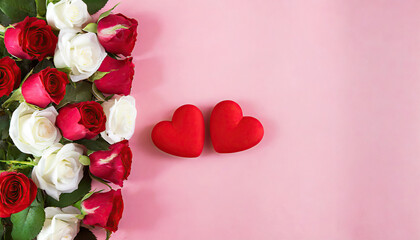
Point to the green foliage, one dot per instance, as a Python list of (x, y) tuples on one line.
[(106, 14), (81, 93), (43, 64), (28, 222), (4, 125), (41, 7), (95, 5), (17, 10), (85, 234), (95, 145), (91, 27), (67, 199)]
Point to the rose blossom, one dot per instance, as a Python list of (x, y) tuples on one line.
[(81, 120), (59, 170), (80, 52), (49, 85), (118, 34), (119, 78), (104, 209), (9, 76), (30, 39), (33, 131), (67, 14), (17, 192), (113, 165), (121, 118), (60, 223)]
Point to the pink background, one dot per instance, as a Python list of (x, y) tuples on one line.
[(336, 85)]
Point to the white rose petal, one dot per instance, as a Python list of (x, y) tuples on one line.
[(33, 131), (68, 14), (59, 170), (81, 52), (60, 224), (121, 116)]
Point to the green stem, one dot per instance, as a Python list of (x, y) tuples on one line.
[(18, 162)]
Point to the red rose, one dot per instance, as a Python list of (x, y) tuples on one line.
[(49, 85), (9, 76), (113, 165), (117, 34), (30, 39), (81, 120), (17, 192), (104, 209), (119, 78)]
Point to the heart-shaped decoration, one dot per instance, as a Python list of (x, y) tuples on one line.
[(230, 131), (184, 135)]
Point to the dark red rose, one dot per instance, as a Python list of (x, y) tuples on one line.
[(81, 120), (17, 192), (30, 39), (9, 76), (117, 34), (44, 87), (104, 209), (119, 78), (113, 165)]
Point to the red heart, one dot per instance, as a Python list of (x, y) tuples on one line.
[(184, 136), (230, 131)]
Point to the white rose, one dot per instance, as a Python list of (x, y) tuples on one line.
[(33, 131), (59, 170), (60, 224), (81, 52), (121, 115), (67, 14)]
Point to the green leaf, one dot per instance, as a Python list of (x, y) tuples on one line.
[(17, 10), (91, 27), (80, 93), (97, 76), (28, 222), (43, 64), (85, 234), (95, 5), (84, 160), (106, 14), (67, 199), (94, 145), (4, 125), (4, 20), (41, 7)]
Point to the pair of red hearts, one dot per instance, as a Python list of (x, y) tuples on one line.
[(230, 131)]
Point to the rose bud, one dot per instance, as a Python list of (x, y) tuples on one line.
[(49, 85), (119, 78), (9, 76), (17, 192), (104, 209), (113, 165), (81, 120), (117, 34), (30, 39)]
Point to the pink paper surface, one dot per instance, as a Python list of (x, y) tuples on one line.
[(336, 85)]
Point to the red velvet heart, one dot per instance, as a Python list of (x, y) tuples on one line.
[(230, 131), (184, 136)]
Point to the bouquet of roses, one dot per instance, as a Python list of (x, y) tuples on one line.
[(65, 117)]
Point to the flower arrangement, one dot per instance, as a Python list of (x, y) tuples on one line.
[(65, 117)]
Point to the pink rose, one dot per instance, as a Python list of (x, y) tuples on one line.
[(117, 34), (104, 209), (49, 85), (81, 120), (119, 78), (113, 165), (30, 39)]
